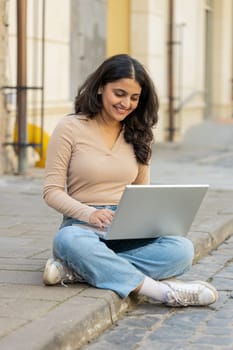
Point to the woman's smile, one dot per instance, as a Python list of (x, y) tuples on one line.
[(121, 109), (119, 99)]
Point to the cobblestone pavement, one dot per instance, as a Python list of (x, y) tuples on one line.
[(152, 326)]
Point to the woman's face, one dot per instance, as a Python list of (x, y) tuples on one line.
[(119, 99)]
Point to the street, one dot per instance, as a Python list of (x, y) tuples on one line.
[(152, 326)]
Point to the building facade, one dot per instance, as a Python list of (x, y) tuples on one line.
[(67, 39)]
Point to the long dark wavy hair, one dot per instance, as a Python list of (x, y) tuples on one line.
[(139, 123)]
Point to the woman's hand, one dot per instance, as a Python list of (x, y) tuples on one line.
[(101, 217)]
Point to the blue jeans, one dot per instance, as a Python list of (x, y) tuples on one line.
[(120, 265)]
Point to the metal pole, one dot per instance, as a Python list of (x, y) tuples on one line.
[(21, 85), (42, 78), (171, 127)]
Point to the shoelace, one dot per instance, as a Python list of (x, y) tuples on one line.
[(66, 275), (183, 297), (70, 277)]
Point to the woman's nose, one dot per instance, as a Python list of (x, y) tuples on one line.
[(126, 102)]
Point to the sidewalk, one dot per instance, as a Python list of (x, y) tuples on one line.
[(36, 317)]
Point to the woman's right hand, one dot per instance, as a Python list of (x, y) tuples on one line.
[(101, 217)]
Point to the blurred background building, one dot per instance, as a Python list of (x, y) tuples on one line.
[(48, 47)]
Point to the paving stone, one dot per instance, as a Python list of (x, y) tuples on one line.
[(215, 340), (21, 277), (27, 310), (54, 293), (9, 324)]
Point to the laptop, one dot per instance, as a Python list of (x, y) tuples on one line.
[(149, 211)]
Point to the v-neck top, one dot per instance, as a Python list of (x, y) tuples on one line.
[(82, 171)]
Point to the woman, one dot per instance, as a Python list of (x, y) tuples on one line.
[(93, 154)]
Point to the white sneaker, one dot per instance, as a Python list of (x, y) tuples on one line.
[(56, 272), (195, 293)]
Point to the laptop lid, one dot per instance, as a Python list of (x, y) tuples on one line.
[(148, 211)]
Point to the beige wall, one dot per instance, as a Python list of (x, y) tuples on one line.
[(149, 23), (222, 58), (148, 35), (57, 58)]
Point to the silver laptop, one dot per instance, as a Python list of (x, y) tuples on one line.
[(148, 211)]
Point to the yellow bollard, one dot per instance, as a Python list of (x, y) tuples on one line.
[(34, 136)]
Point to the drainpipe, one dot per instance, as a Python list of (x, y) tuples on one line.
[(171, 125), (21, 85)]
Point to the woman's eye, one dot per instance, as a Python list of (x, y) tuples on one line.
[(119, 94)]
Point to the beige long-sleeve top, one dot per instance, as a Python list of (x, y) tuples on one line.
[(81, 170)]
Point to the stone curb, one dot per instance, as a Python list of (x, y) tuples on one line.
[(205, 242), (95, 311)]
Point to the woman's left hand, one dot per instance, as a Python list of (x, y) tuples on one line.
[(101, 217)]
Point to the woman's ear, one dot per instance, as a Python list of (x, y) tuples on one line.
[(100, 90)]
